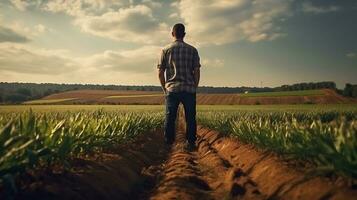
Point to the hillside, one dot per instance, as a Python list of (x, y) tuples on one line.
[(325, 96)]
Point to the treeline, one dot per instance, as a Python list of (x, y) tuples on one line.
[(218, 90), (20, 92), (307, 86)]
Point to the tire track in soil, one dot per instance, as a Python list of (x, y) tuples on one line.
[(202, 174)]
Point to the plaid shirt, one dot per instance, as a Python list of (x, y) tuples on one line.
[(179, 59)]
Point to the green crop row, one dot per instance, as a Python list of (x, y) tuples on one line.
[(328, 139), (29, 139)]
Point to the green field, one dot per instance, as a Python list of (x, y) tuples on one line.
[(42, 135), (285, 93)]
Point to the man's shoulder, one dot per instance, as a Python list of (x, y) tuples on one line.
[(190, 46), (173, 45), (167, 47)]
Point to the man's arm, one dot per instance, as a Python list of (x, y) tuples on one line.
[(161, 66), (162, 79), (196, 74), (196, 68)]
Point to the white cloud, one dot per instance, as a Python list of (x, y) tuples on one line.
[(152, 4), (18, 62), (40, 28), (10, 35), (308, 7), (21, 59), (351, 55), (132, 24), (18, 32), (117, 20), (83, 7), (20, 4), (174, 15), (225, 21), (212, 63), (141, 60), (24, 59), (23, 5)]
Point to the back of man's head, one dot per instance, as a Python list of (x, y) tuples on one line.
[(178, 30)]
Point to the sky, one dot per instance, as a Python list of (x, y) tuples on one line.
[(240, 42)]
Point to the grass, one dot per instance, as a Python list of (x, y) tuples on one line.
[(285, 93), (49, 101)]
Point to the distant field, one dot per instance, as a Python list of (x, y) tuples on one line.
[(134, 96), (268, 108), (49, 101), (76, 108), (200, 108), (111, 97), (285, 93)]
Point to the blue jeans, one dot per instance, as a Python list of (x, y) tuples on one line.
[(173, 99)]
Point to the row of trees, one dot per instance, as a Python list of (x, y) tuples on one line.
[(307, 86)]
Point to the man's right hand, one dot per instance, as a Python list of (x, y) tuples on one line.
[(164, 90)]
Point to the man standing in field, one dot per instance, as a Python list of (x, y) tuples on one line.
[(180, 64)]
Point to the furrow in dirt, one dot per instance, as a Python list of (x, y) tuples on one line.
[(182, 177), (226, 180), (272, 177), (128, 172)]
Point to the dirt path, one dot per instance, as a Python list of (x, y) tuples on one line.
[(201, 174), (220, 168)]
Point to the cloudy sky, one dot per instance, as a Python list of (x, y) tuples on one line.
[(241, 42)]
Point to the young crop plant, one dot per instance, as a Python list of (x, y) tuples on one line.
[(327, 139), (29, 140)]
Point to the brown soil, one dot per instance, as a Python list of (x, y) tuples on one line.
[(118, 174), (98, 97), (220, 168)]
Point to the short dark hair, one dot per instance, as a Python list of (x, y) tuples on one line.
[(179, 30)]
